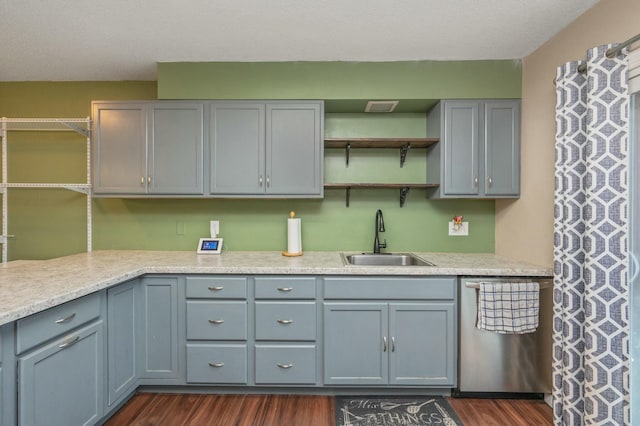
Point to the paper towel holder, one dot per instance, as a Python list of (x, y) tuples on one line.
[(292, 215)]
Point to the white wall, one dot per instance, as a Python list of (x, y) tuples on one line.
[(524, 227)]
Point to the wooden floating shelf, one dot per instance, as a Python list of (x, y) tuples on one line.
[(403, 187), (403, 144), (379, 142)]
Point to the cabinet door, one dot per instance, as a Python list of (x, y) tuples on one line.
[(8, 390), (236, 138), (502, 147), (119, 150), (62, 383), (422, 349), (175, 151), (159, 328), (356, 343), (122, 350), (294, 149), (460, 170)]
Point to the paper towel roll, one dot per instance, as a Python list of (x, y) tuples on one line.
[(294, 236)]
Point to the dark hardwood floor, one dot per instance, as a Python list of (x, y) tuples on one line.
[(150, 409)]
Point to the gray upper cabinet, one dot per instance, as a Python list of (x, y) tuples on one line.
[(237, 149), (266, 149), (479, 151), (151, 148)]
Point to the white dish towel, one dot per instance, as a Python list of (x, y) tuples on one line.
[(508, 308)]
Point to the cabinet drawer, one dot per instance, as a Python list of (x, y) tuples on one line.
[(213, 287), (442, 288), (291, 364), (285, 288), (286, 320), (216, 320), (48, 324), (208, 363)]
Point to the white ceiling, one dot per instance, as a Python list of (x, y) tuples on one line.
[(69, 40)]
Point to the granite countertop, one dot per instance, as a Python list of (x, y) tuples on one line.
[(27, 287)]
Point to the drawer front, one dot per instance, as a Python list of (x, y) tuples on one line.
[(291, 364), (286, 321), (216, 320), (214, 287), (285, 287), (209, 363), (441, 288), (45, 325)]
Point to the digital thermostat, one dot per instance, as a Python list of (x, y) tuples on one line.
[(209, 246)]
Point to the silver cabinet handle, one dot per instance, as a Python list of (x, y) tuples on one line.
[(475, 181), (260, 181), (217, 288), (285, 366), (384, 340), (69, 342), (149, 179), (216, 364), (285, 289), (268, 181), (65, 319), (490, 182), (285, 322), (393, 344), (218, 321), (141, 180)]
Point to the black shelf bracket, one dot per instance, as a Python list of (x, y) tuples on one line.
[(347, 150), (403, 153), (403, 195)]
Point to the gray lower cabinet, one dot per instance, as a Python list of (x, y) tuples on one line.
[(147, 148), (410, 341), (61, 378), (479, 151), (159, 348), (122, 340), (217, 330), (7, 376), (266, 149), (286, 348)]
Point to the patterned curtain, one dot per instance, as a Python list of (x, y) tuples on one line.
[(591, 319)]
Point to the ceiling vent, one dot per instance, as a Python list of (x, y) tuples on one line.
[(381, 106)]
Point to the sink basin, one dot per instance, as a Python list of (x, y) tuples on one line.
[(383, 259)]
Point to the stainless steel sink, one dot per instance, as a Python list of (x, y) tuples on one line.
[(383, 259)]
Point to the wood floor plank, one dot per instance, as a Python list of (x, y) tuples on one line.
[(148, 409)]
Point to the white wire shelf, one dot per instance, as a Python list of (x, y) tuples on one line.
[(79, 125), (78, 187)]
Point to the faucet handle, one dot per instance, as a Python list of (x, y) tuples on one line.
[(383, 245)]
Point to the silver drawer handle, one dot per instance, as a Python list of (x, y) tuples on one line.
[(393, 344), (285, 322), (218, 321), (285, 366), (490, 182), (218, 288), (285, 289), (69, 342), (216, 364), (65, 319), (384, 341)]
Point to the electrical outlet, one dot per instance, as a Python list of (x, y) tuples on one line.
[(214, 228), (461, 231)]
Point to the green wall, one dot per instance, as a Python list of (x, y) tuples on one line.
[(50, 223)]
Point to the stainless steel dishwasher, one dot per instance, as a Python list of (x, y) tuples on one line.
[(503, 363)]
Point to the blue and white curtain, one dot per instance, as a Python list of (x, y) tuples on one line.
[(591, 312)]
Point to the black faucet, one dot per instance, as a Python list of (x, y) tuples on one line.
[(379, 228)]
